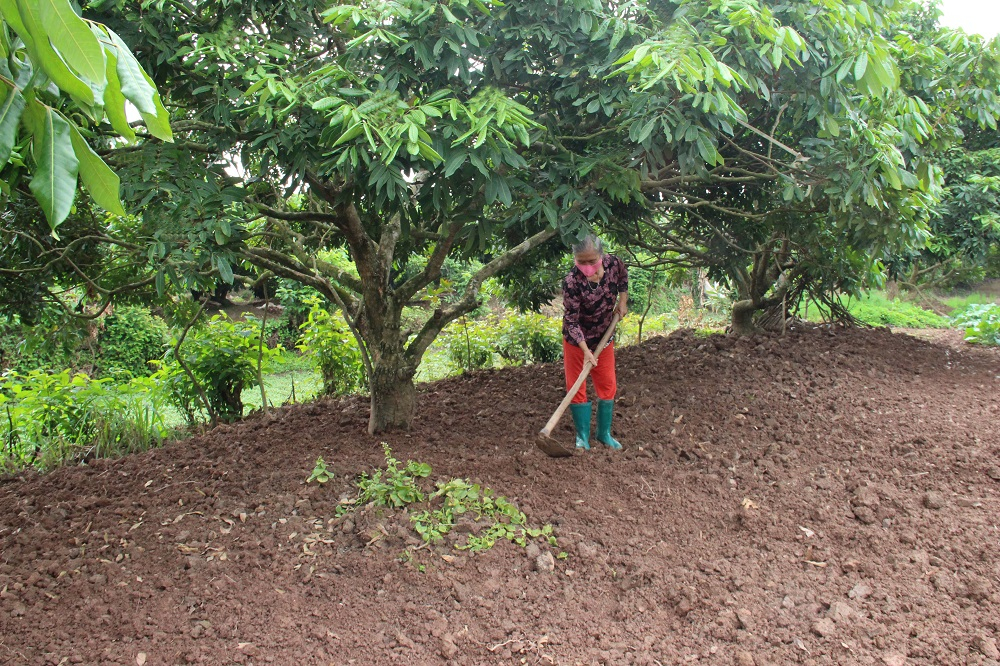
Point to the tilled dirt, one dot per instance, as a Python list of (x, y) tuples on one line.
[(830, 497)]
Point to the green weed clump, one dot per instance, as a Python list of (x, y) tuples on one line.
[(435, 514), (981, 324), (959, 304)]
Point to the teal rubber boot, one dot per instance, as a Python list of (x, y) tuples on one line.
[(581, 419), (605, 414)]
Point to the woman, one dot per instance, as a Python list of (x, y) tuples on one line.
[(589, 298)]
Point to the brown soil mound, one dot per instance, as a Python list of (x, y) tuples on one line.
[(823, 498)]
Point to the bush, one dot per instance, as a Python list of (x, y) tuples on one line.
[(54, 342), (49, 419), (223, 357), (130, 339), (326, 338), (469, 345), (981, 324), (530, 338), (296, 299)]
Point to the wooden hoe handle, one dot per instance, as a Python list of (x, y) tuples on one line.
[(547, 430)]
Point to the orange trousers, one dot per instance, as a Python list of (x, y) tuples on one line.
[(603, 373)]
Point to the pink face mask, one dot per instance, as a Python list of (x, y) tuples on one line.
[(585, 269)]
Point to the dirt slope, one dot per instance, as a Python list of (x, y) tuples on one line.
[(826, 498)]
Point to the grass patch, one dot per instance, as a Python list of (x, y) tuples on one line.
[(960, 303), (875, 309)]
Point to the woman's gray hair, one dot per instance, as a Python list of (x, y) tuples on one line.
[(588, 243)]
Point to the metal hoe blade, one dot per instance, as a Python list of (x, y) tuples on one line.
[(552, 448)]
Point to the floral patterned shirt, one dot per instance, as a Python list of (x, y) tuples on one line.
[(589, 306)]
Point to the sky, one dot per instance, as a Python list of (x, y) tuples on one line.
[(973, 16)]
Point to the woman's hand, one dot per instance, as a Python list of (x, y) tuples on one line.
[(622, 307), (588, 356)]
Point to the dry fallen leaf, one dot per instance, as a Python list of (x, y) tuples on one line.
[(748, 504), (140, 658)]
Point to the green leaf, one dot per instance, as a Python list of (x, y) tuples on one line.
[(135, 85), (319, 105), (646, 130), (707, 150), (98, 178), (50, 61), (10, 116), (455, 161), (8, 9), (225, 270), (428, 153), (72, 37), (860, 66), (158, 124), (351, 132), (54, 181), (114, 100)]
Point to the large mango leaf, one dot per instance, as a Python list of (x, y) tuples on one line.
[(56, 165), (94, 71)]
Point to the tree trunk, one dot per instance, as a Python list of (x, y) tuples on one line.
[(742, 321), (394, 398), (697, 287)]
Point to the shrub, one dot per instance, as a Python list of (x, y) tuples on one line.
[(530, 338), (49, 419), (130, 339), (469, 344), (326, 338), (981, 324), (223, 357)]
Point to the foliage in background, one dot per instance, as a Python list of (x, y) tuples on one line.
[(222, 355), (129, 338), (52, 342), (529, 338), (628, 328), (965, 224), (297, 300), (819, 140), (981, 324), (327, 339), (50, 419), (470, 345)]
